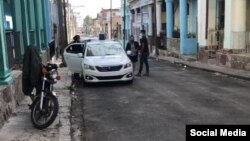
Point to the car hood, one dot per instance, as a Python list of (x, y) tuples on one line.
[(106, 60)]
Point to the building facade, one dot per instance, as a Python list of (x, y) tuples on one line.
[(170, 24), (22, 23), (223, 24), (108, 27), (224, 32), (181, 26)]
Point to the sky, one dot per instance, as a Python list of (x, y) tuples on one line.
[(92, 7)]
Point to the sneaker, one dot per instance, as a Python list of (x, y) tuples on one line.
[(146, 74), (138, 75)]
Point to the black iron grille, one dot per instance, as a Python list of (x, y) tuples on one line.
[(109, 77), (109, 68)]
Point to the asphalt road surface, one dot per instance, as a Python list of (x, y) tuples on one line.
[(157, 108)]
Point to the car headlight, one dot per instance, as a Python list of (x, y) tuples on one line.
[(128, 65), (88, 67)]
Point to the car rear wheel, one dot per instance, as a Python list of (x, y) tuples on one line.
[(76, 76)]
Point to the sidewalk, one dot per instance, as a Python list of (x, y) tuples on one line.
[(243, 74), (208, 67), (20, 128)]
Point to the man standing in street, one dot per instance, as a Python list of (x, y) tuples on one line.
[(133, 47), (144, 51)]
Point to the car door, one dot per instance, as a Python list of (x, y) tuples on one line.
[(73, 55)]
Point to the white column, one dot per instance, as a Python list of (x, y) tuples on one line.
[(235, 24), (202, 22), (228, 24), (158, 17), (150, 20), (239, 13), (130, 23)]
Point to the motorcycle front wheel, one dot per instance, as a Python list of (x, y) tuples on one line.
[(42, 118)]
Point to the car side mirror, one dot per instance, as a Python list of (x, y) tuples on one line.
[(80, 55), (128, 52)]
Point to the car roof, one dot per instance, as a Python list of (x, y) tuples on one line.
[(96, 42)]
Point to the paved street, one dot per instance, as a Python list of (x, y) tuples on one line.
[(158, 107)]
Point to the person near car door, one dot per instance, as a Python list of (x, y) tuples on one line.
[(132, 46), (75, 49), (144, 51), (76, 39)]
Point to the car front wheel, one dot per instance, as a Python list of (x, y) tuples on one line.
[(130, 81)]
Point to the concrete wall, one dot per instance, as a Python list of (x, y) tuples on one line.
[(237, 61), (173, 46), (10, 97)]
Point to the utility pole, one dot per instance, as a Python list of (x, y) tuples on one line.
[(111, 19), (124, 22), (61, 31), (65, 23), (155, 27), (62, 27)]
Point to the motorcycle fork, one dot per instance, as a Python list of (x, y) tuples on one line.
[(42, 93)]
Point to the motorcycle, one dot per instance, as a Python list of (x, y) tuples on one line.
[(44, 107)]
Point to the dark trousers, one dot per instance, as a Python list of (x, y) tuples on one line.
[(144, 59)]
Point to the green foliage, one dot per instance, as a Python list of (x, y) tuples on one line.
[(88, 23), (191, 35)]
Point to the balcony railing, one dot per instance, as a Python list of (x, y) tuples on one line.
[(215, 41)]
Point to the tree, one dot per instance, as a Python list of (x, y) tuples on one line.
[(88, 23)]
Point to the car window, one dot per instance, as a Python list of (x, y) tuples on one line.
[(105, 49), (75, 48)]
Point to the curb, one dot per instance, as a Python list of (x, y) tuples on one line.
[(64, 99)]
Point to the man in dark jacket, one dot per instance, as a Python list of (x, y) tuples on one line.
[(144, 51), (133, 47), (32, 67)]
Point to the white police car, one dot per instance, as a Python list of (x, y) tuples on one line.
[(99, 61)]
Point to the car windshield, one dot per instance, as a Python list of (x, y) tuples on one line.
[(104, 49)]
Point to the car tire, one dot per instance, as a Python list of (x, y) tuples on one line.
[(130, 81), (84, 83), (76, 76)]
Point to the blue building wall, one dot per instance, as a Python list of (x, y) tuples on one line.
[(194, 15), (188, 46), (47, 19)]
